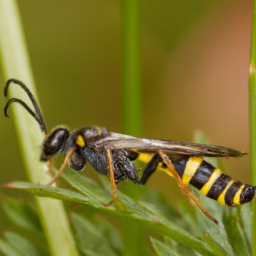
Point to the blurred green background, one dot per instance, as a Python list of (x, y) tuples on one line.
[(195, 62)]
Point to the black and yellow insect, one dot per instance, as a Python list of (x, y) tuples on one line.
[(113, 154)]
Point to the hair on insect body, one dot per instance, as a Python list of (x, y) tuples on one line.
[(113, 154)]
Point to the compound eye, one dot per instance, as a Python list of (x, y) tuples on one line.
[(77, 161), (54, 143)]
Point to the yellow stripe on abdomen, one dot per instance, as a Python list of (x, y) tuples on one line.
[(207, 186), (190, 169), (146, 158), (221, 198), (236, 199)]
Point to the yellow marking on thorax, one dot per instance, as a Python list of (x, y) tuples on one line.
[(190, 169), (236, 199), (221, 198), (80, 141), (207, 186)]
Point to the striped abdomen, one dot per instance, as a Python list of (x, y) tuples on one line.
[(212, 182)]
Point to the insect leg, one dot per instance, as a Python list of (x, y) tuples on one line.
[(115, 198), (111, 174), (67, 158), (150, 168), (169, 164), (50, 166)]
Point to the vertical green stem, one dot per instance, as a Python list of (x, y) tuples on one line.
[(131, 103), (15, 64), (131, 70), (252, 99)]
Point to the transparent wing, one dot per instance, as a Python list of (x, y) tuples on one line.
[(121, 141)]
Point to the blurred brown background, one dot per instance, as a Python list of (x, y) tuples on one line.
[(195, 61)]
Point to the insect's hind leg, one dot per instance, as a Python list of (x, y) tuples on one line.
[(115, 198), (150, 168), (170, 166)]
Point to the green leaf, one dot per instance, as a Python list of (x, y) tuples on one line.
[(22, 215), (236, 235), (87, 187), (146, 216), (246, 221), (111, 234), (8, 249), (53, 192), (182, 249), (152, 218), (92, 239), (219, 238), (216, 248), (216, 232), (162, 249), (188, 213), (24, 246)]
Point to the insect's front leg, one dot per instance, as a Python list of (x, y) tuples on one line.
[(118, 203), (170, 166), (67, 158), (50, 166)]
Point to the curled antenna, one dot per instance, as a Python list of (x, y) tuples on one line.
[(37, 114)]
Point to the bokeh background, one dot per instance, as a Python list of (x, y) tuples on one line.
[(195, 62)]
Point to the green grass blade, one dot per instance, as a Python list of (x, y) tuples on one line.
[(252, 104), (15, 64)]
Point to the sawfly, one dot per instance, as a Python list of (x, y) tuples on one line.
[(113, 154)]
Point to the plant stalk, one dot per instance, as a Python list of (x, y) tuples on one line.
[(15, 64), (131, 104), (252, 110)]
